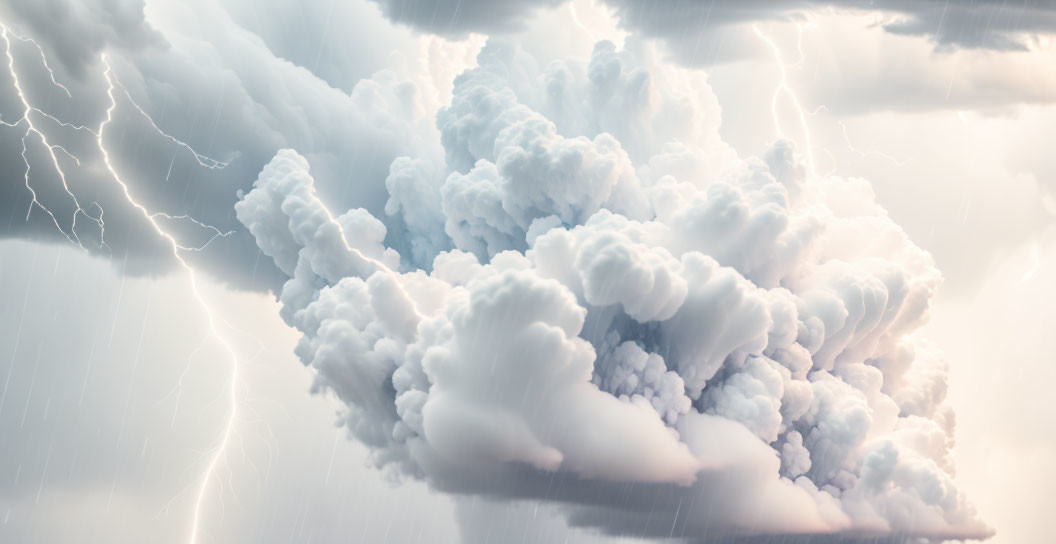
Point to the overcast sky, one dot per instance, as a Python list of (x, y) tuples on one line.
[(541, 271)]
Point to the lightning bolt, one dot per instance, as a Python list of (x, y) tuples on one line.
[(207, 162), (31, 130), (44, 60), (575, 19), (153, 218), (784, 89), (364, 259), (157, 221)]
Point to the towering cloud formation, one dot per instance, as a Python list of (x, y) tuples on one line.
[(597, 303)]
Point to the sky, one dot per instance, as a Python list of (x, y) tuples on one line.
[(561, 270)]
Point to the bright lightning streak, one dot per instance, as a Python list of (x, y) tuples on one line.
[(575, 19), (783, 88), (207, 162), (151, 218), (44, 60), (366, 265), (217, 233), (799, 47), (31, 128), (376, 264)]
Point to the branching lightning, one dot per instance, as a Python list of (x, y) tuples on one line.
[(378, 265), (152, 218), (863, 153), (207, 162), (32, 131), (217, 233), (44, 60), (575, 19), (783, 88)]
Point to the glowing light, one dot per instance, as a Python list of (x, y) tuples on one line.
[(153, 218), (31, 129), (575, 19), (783, 88), (378, 265), (44, 61), (211, 319)]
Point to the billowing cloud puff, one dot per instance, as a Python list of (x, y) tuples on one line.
[(693, 346)]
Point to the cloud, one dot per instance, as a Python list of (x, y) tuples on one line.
[(894, 56), (862, 76), (707, 32), (703, 32), (1019, 295), (989, 24), (457, 17), (540, 281), (318, 36), (950, 55), (93, 26), (206, 80), (237, 85), (656, 336)]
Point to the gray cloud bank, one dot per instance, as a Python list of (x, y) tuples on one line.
[(989, 24), (596, 303), (704, 31)]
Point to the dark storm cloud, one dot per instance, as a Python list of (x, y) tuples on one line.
[(221, 90), (702, 32), (457, 17), (987, 24), (78, 31)]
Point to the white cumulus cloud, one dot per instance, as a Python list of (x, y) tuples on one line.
[(601, 305)]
